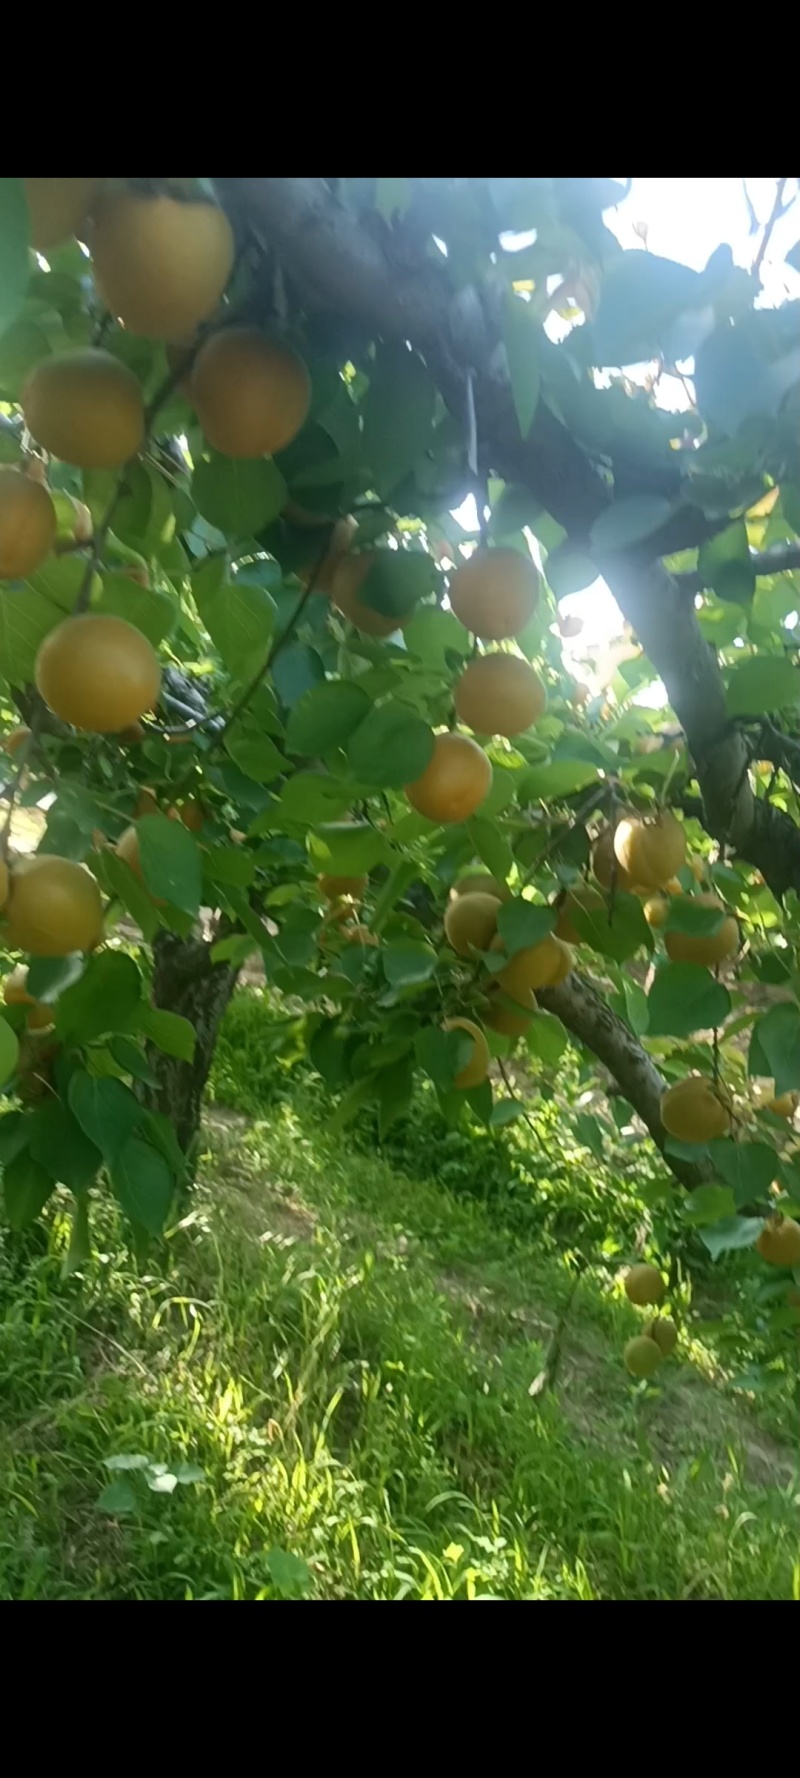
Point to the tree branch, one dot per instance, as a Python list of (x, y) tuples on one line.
[(587, 1016)]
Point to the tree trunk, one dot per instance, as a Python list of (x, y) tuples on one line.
[(187, 982)]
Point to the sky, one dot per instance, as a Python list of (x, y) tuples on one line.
[(686, 220)]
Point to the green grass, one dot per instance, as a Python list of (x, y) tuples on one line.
[(346, 1353)]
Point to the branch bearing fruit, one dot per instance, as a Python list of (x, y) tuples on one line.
[(509, 1021), (495, 593), (98, 673), (250, 394), (161, 265), (477, 1068), (606, 867), (28, 524), (499, 694), (86, 408), (455, 781), (54, 907), (695, 1110)]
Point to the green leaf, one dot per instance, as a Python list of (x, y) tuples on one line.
[(61, 1147), (725, 564), (117, 1499), (406, 963), (171, 1033), (777, 1037), (491, 846), (546, 1038), (521, 923), (391, 747), (14, 242), (106, 1110), (732, 1233), (255, 755), (707, 1204), (120, 881), (239, 618), (642, 297), (289, 1573), (521, 337), (562, 777), (687, 914), (13, 1135), (239, 496), (685, 998), (569, 570), (310, 797), (142, 1183), (326, 717), (588, 1132), (102, 1000), (9, 1052), (619, 934), (628, 522), (296, 670), (506, 1111), (154, 613), (131, 1059), (441, 1054), (432, 634), (763, 686), (396, 580), (229, 864), (398, 415), (394, 1087), (79, 1251), (346, 849), (26, 1187), (170, 861), (748, 1167)]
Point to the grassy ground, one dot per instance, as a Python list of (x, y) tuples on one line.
[(328, 1376)]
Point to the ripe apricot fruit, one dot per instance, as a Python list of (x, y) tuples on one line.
[(662, 1329), (641, 1356), (708, 948), (28, 524), (99, 673), (161, 264), (779, 1242), (499, 694), (509, 1021), (361, 935), (15, 993), (250, 394), (644, 1285), (349, 574), (333, 887), (495, 593), (86, 408), (454, 782), (545, 965), (784, 1104), (656, 909), (650, 851), (57, 208), (606, 867), (583, 896), (471, 922), (54, 907), (480, 882), (695, 1110), (477, 1068)]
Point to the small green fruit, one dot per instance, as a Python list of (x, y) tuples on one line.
[(642, 1356)]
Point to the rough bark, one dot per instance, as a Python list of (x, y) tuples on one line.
[(187, 982), (589, 1018)]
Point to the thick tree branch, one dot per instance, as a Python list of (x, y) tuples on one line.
[(588, 1017)]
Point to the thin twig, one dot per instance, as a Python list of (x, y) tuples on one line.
[(251, 689), (773, 217), (557, 839)]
